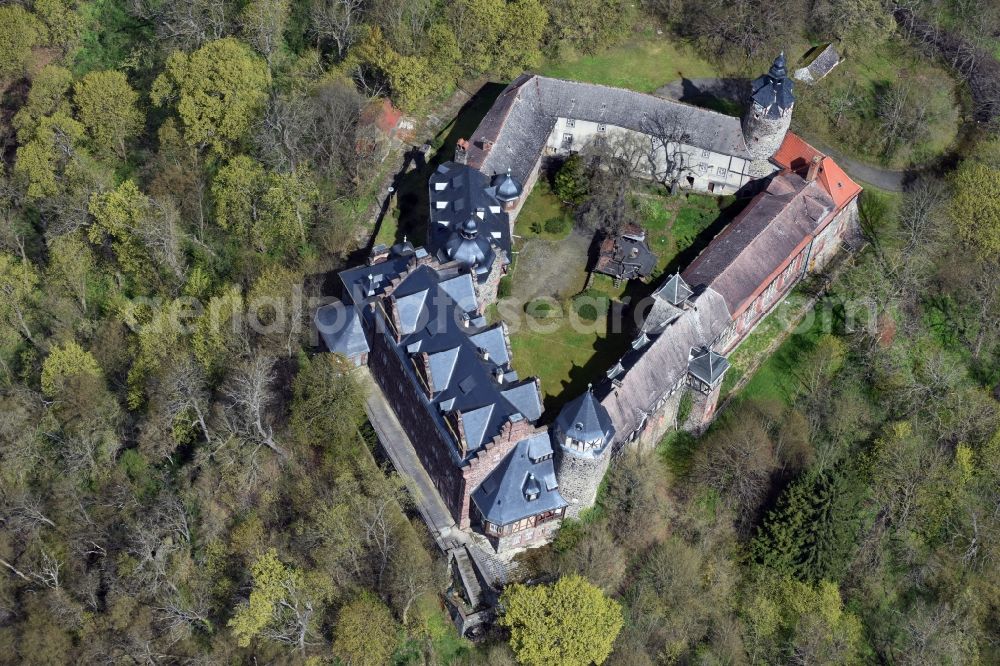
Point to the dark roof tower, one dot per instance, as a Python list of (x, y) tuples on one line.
[(774, 91), (585, 420), (768, 116), (507, 188), (469, 249)]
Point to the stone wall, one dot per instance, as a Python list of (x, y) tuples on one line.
[(532, 536), (845, 225), (763, 137), (433, 446), (579, 478), (486, 291), (694, 168)]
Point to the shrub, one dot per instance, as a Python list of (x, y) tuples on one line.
[(556, 225), (590, 305), (505, 287), (542, 308)]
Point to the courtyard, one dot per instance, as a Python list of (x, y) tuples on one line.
[(567, 332)]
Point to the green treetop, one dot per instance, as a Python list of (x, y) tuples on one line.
[(108, 107), (570, 623), (218, 91)]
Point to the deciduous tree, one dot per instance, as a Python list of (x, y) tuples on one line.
[(570, 623), (365, 633), (218, 92), (108, 107)]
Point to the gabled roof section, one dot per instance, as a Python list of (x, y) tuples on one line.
[(674, 291), (796, 155), (493, 341), (442, 367), (514, 131), (462, 291), (341, 329), (525, 397), (503, 497), (475, 422), (762, 238), (648, 373), (707, 366)]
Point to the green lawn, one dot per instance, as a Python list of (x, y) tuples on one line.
[(774, 379), (674, 225), (564, 359), (840, 110), (541, 206), (645, 63)]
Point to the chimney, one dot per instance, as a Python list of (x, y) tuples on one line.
[(462, 151), (498, 373), (485, 354), (466, 321), (813, 168)]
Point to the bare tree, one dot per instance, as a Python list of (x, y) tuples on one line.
[(186, 24), (187, 392), (251, 400), (336, 21)]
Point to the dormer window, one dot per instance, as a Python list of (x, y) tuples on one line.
[(532, 488)]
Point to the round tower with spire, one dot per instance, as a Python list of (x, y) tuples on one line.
[(768, 115), (582, 435)]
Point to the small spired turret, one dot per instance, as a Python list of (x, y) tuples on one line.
[(768, 115), (582, 436), (507, 190), (469, 249)]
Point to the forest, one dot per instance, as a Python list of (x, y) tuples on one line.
[(183, 479)]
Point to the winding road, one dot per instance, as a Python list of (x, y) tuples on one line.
[(700, 90)]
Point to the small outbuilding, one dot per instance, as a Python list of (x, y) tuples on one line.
[(626, 256), (820, 61)]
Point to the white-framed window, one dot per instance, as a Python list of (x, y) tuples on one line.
[(704, 153), (571, 122), (601, 127), (722, 171)]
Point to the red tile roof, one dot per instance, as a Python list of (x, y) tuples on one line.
[(796, 154)]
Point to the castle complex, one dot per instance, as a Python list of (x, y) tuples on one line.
[(415, 315)]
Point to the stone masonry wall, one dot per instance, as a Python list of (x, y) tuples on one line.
[(529, 537), (763, 137), (579, 478)]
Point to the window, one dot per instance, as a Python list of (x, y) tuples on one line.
[(722, 171), (567, 141), (601, 127), (571, 122)]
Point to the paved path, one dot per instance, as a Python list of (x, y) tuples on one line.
[(404, 458), (694, 90)]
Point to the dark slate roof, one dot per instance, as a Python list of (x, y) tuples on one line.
[(365, 282), (464, 381), (586, 420), (707, 366), (648, 373), (502, 497), (513, 133), (470, 249), (774, 90), (458, 193), (340, 328), (761, 239), (675, 290), (625, 256), (506, 188)]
